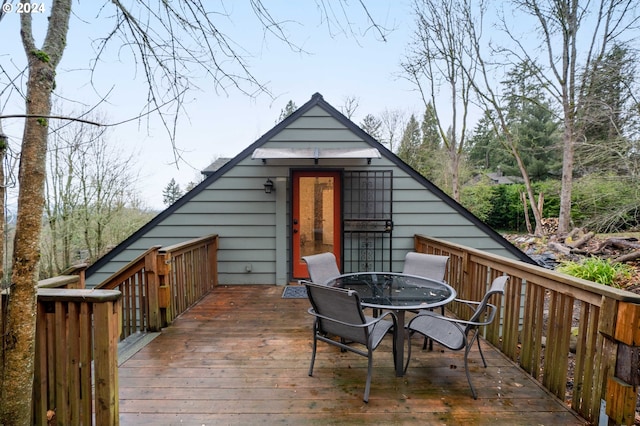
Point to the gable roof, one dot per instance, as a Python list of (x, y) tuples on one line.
[(316, 101)]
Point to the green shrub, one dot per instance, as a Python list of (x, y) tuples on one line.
[(606, 203), (601, 271), (478, 198)]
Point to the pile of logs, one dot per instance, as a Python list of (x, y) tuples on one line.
[(579, 242)]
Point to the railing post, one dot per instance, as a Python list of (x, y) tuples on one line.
[(164, 290), (212, 265), (151, 270), (622, 383), (107, 322)]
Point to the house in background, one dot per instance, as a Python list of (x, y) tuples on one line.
[(499, 178), (316, 182)]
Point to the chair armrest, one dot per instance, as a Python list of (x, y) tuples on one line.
[(490, 308), (394, 318), (471, 304), (363, 325)]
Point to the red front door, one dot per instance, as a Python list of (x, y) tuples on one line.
[(316, 216)]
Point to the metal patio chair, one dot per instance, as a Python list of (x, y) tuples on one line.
[(432, 266), (426, 265), (457, 334), (322, 267), (338, 314)]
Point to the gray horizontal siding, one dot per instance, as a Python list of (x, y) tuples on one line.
[(316, 135), (235, 207)]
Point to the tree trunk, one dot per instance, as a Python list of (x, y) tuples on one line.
[(564, 217), (525, 209), (19, 351), (455, 174), (21, 312), (537, 213), (3, 144)]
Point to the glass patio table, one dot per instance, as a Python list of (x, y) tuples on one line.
[(398, 293)]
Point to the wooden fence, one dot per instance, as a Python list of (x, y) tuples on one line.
[(78, 330), (535, 330)]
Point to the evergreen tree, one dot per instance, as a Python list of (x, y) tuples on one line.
[(610, 113), (171, 193), (289, 109), (432, 155), (409, 149), (532, 122), (486, 151), (373, 126), (430, 134)]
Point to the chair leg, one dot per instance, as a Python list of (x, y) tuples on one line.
[(466, 370), (344, 342), (481, 354), (429, 342), (367, 387), (475, 336), (313, 354)]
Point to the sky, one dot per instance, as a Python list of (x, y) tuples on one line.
[(216, 124)]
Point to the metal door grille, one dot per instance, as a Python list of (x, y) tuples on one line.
[(367, 220)]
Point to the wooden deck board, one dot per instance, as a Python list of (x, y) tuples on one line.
[(241, 356)]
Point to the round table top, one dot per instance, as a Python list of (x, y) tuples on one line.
[(394, 290)]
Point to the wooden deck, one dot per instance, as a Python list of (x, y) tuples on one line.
[(241, 356)]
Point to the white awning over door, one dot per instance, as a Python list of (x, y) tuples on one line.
[(316, 154)]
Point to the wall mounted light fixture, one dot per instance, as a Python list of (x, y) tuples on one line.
[(268, 186)]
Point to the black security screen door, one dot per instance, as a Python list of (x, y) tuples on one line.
[(367, 220)]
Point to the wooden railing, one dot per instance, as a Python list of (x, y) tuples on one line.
[(78, 330), (192, 272), (535, 329), (138, 282), (76, 368), (163, 282)]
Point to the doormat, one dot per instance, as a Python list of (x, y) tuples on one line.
[(294, 292)]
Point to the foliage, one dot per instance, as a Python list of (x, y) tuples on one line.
[(373, 126), (479, 198), (409, 148), (609, 114), (171, 193), (90, 203), (43, 56), (288, 109), (598, 270), (607, 202), (486, 150), (507, 212)]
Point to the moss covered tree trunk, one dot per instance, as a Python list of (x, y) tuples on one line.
[(19, 339)]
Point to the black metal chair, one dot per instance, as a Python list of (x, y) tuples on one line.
[(322, 267), (338, 314), (457, 334)]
